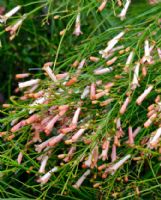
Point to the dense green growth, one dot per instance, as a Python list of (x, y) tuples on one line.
[(39, 41)]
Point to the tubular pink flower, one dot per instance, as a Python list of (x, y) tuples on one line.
[(141, 98)]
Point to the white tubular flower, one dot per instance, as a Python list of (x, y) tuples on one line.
[(5, 17), (43, 164), (154, 139), (122, 15), (77, 30), (159, 52), (111, 44), (85, 92), (147, 50), (44, 179), (81, 179), (28, 83), (38, 101), (129, 61), (141, 98), (117, 165), (48, 70), (135, 82), (13, 28), (103, 70)]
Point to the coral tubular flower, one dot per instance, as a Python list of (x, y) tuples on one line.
[(102, 6), (48, 70), (77, 30), (141, 98), (43, 164), (94, 59), (135, 82), (101, 94), (19, 76), (81, 179), (122, 15), (62, 76), (28, 83), (111, 44), (71, 81), (93, 91), (103, 70), (124, 106), (44, 179), (110, 62), (9, 14), (131, 137), (117, 165), (106, 102)]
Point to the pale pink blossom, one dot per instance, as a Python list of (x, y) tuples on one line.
[(77, 30), (131, 137), (124, 106), (150, 120), (28, 83), (117, 165), (19, 158), (100, 71), (70, 154), (141, 98), (54, 140), (50, 72), (45, 178), (81, 179), (113, 154), (76, 136)]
